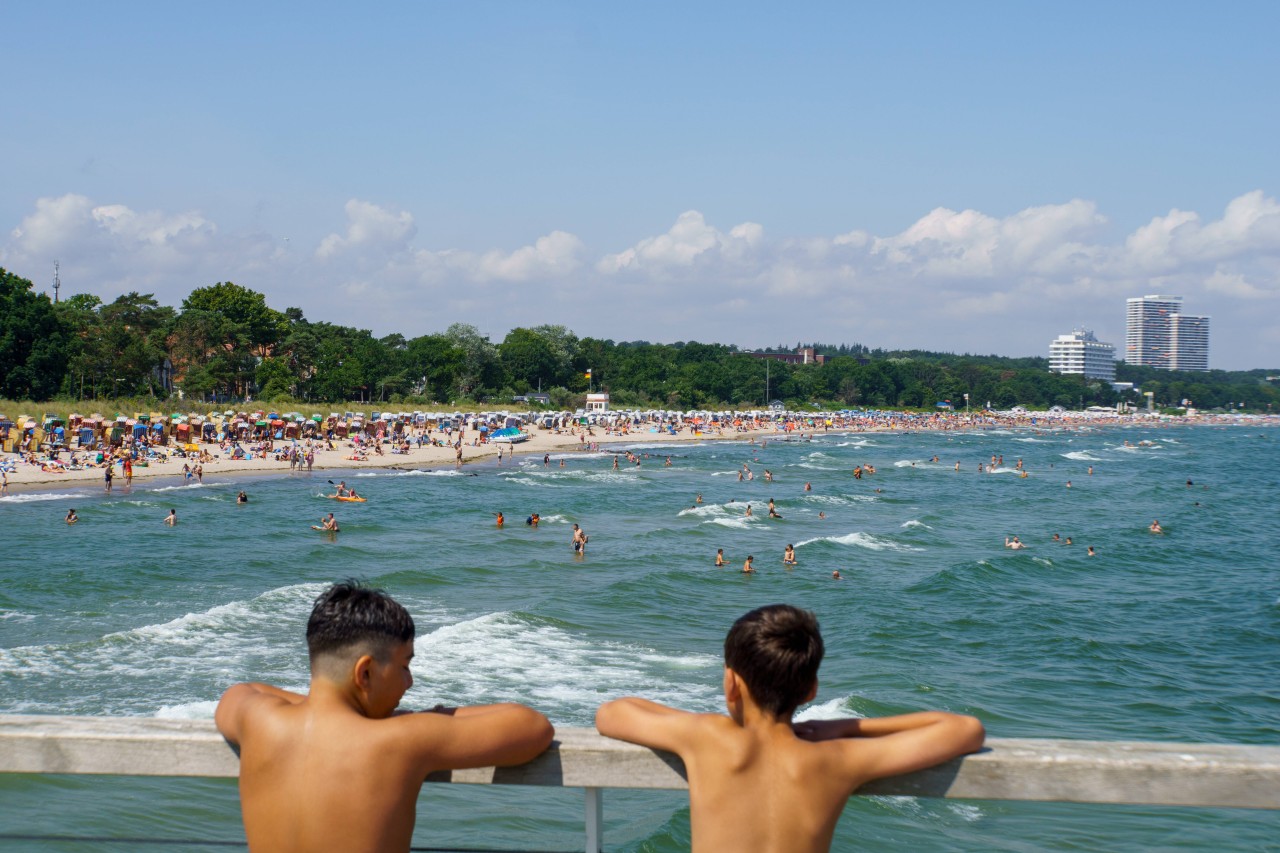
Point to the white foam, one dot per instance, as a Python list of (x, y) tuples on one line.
[(1042, 561), (740, 523), (915, 523), (1033, 440), (665, 445), (529, 481), (1081, 456), (227, 638), (839, 499), (553, 519), (39, 496), (705, 510), (202, 710), (533, 461), (858, 539), (187, 487), (832, 709), (504, 656)]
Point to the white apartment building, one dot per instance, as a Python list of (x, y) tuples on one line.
[(1190, 339), (1081, 353), (1159, 335), (1148, 332)]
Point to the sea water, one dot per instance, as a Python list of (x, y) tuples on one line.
[(1159, 637)]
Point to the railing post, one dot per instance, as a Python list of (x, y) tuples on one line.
[(595, 820)]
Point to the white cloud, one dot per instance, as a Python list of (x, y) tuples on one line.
[(958, 280), (691, 240), (369, 227), (556, 254)]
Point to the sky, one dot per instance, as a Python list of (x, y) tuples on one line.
[(964, 177)]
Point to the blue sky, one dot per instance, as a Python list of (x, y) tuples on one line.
[(969, 177)]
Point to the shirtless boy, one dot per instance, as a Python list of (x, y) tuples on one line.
[(340, 768), (758, 782)]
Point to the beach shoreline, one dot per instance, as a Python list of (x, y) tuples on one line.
[(29, 478)]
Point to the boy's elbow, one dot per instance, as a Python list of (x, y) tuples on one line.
[(970, 733), (608, 716), (537, 733)]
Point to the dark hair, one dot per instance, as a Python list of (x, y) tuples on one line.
[(350, 614), (776, 650)]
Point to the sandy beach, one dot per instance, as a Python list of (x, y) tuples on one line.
[(29, 477)]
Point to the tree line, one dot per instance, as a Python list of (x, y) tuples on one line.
[(224, 342)]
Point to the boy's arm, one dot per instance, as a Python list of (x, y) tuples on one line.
[(499, 735), (888, 746), (229, 715), (637, 720)]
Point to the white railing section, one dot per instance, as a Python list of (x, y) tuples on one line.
[(1172, 774)]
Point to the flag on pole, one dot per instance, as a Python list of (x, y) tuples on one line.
[(588, 373)]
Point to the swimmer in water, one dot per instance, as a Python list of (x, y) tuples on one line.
[(71, 518), (808, 488), (1155, 527), (1057, 538), (719, 556), (747, 514), (501, 520), (1068, 541), (836, 575), (789, 556), (822, 514), (172, 518), (329, 523), (1015, 543), (242, 498), (1091, 553), (747, 568), (698, 500)]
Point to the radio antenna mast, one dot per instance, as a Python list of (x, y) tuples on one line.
[(57, 282)]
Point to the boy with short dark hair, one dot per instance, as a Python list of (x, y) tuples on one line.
[(340, 768), (758, 782)]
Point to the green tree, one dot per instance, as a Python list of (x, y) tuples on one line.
[(33, 341)]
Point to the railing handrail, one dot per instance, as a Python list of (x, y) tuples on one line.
[(1174, 774)]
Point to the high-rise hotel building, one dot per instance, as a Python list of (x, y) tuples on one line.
[(1190, 339), (1080, 352), (1160, 335)]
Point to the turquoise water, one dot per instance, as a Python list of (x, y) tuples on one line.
[(1156, 638)]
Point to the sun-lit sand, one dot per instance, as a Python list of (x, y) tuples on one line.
[(30, 476)]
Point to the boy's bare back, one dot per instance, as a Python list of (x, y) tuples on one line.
[(316, 775), (339, 769), (759, 783)]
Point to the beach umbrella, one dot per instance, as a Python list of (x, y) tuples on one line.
[(261, 423), (316, 418)]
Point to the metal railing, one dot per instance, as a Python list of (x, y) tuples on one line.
[(1141, 773)]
